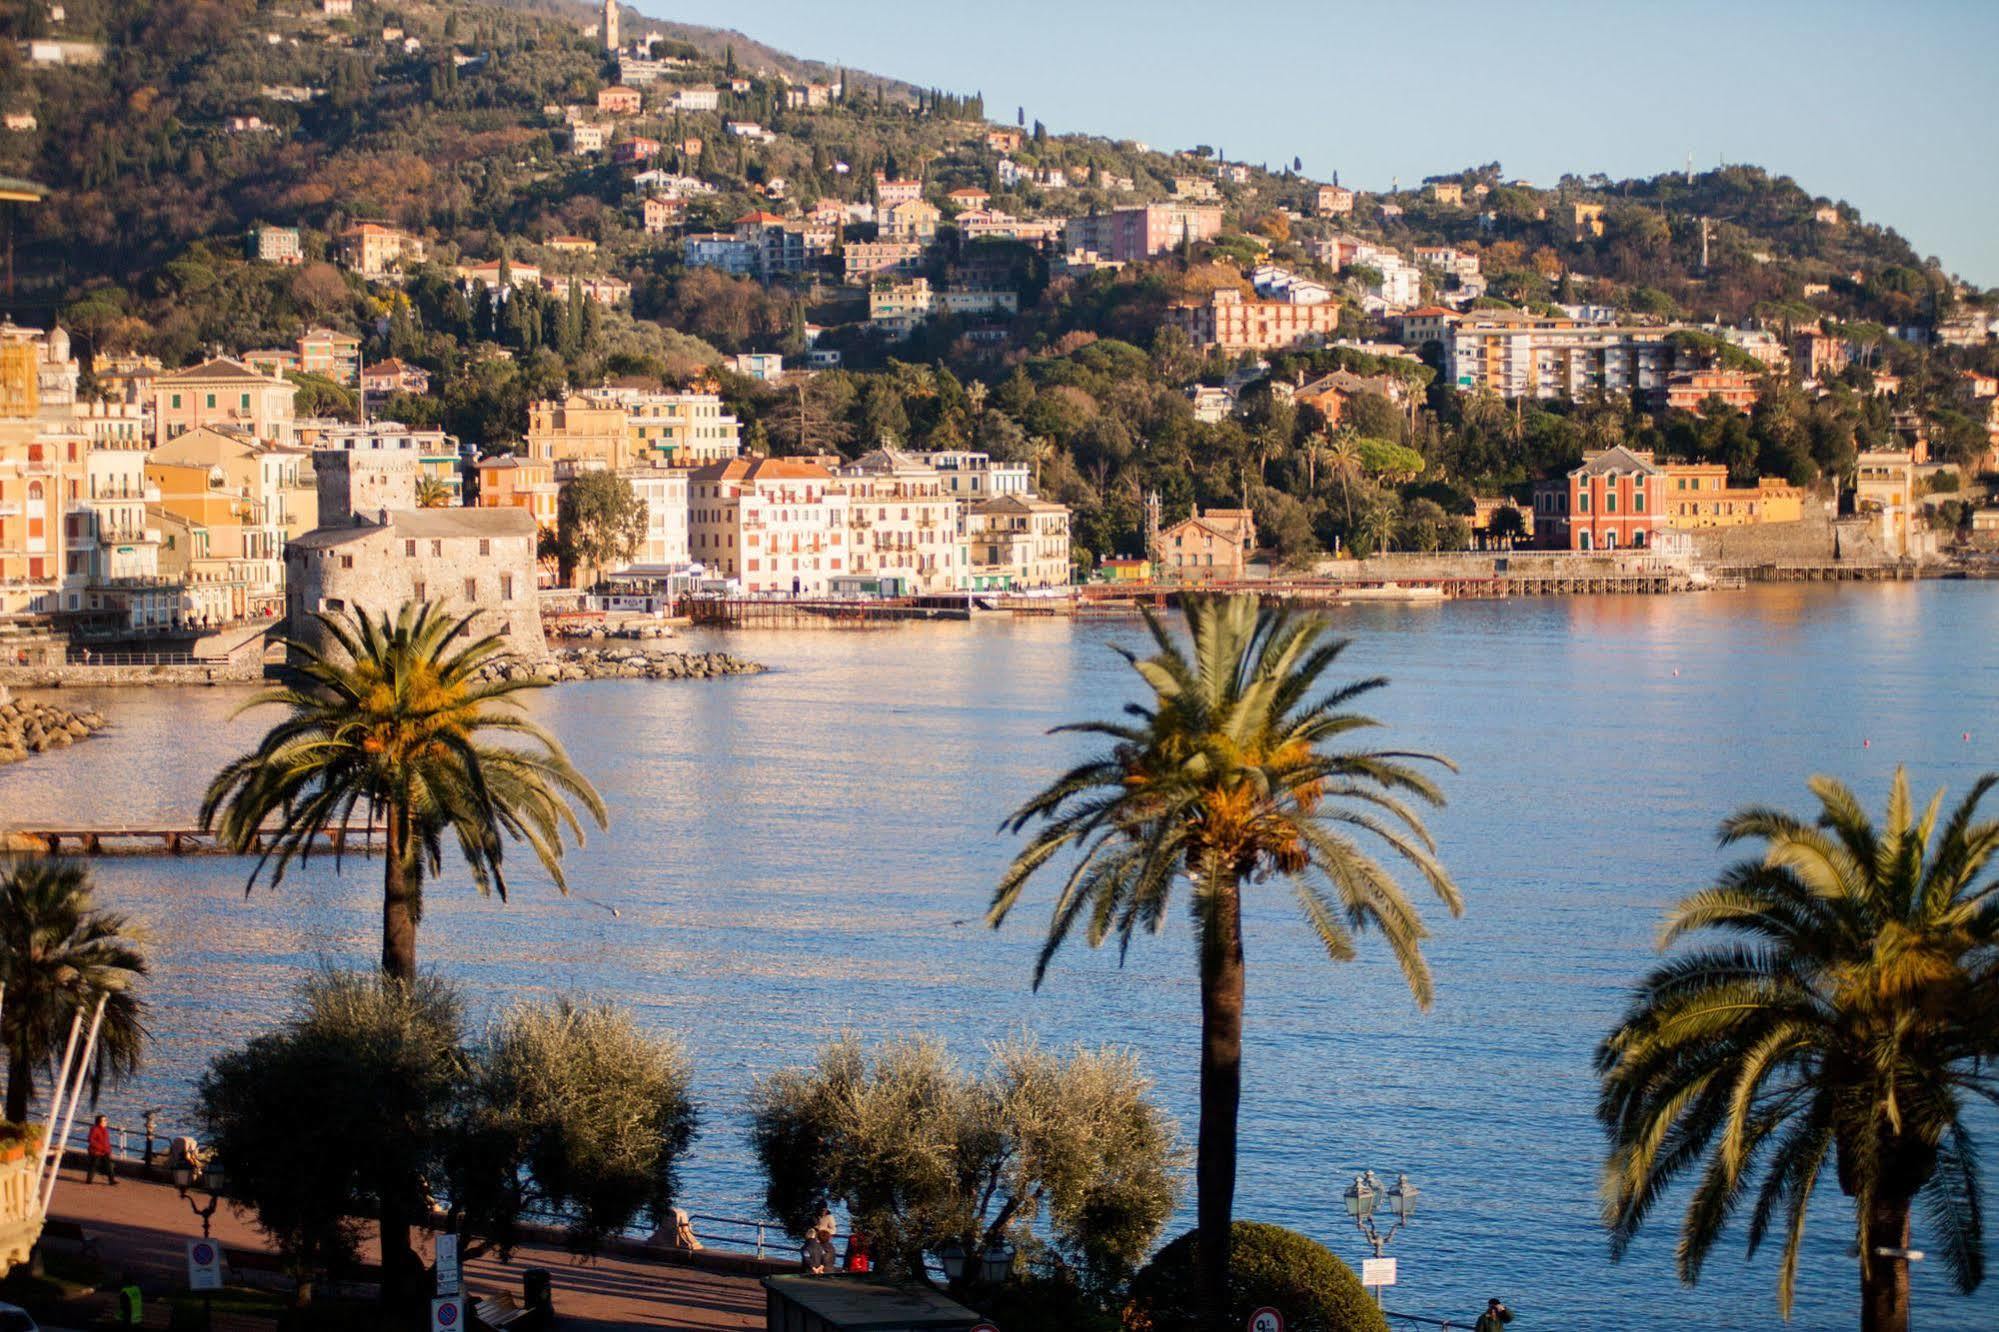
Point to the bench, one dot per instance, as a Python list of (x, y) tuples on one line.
[(503, 1311)]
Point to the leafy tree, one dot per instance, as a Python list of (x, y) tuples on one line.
[(341, 1113), (397, 717), (1234, 774), (923, 1153), (1269, 1267), (571, 1109), (1845, 1014), (599, 520), (60, 953)]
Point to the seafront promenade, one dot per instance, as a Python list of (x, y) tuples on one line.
[(138, 1232)]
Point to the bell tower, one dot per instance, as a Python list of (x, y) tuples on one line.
[(610, 25)]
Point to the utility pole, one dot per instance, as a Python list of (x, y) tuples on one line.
[(1690, 166)]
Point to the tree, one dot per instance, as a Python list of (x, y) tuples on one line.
[(599, 520), (397, 717), (571, 1109), (59, 955), (340, 1113), (1845, 1014), (1232, 775), (1269, 1267), (923, 1153), (811, 414), (432, 493)]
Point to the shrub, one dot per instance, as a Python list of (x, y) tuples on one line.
[(1268, 1265)]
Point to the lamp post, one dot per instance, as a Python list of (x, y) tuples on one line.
[(1366, 1196), (210, 1183)]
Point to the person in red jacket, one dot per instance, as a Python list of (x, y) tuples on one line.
[(98, 1154)]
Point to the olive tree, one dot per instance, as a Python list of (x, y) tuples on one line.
[(1060, 1153), (337, 1115), (570, 1109)]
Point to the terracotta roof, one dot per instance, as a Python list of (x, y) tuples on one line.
[(762, 469), (218, 367), (758, 219), (1428, 312)]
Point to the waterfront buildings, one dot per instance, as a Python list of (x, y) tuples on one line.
[(438, 455), (773, 525), (515, 481), (1210, 547), (1698, 496), (1017, 543), (903, 530), (1615, 501), (663, 490)]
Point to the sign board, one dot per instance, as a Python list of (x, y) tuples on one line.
[(985, 1327), (204, 1265), (448, 1279), (447, 1314), (1266, 1320), (1377, 1271)]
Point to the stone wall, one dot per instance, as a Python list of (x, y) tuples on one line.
[(1808, 541), (240, 670)]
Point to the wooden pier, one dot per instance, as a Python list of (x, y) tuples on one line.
[(822, 612), (175, 841)]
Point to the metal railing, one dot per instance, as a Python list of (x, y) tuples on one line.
[(92, 657)]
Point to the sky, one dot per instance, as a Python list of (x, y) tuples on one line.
[(1890, 107)]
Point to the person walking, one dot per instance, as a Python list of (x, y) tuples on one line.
[(1495, 1317), (97, 1154), (858, 1257)]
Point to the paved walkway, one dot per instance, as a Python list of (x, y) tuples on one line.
[(144, 1228)]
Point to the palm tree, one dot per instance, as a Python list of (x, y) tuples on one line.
[(1343, 460), (1848, 1011), (432, 493), (60, 954), (394, 719), (1234, 774)]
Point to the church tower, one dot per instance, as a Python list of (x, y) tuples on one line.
[(610, 25)]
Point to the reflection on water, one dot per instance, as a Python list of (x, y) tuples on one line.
[(809, 850)]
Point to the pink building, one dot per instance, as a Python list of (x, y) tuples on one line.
[(1127, 235)]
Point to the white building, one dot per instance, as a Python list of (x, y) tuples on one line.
[(904, 534), (972, 476), (664, 490), (775, 525)]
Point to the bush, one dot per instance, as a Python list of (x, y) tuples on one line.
[(1269, 1265)]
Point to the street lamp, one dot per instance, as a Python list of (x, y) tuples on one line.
[(952, 1256), (1367, 1193), (210, 1183), (998, 1264)]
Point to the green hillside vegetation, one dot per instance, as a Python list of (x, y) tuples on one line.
[(141, 247)]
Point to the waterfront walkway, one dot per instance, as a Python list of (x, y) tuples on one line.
[(143, 1229)]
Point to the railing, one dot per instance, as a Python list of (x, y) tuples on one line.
[(87, 657)]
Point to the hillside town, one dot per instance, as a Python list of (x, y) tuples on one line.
[(1325, 371)]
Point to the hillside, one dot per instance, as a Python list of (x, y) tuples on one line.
[(455, 123)]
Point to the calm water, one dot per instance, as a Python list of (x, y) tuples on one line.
[(810, 850)]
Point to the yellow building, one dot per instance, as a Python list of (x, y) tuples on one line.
[(1018, 542), (1589, 219), (1885, 489), (249, 497), (577, 429), (1698, 496), (619, 429), (31, 526)]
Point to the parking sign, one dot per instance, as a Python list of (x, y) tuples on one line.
[(447, 1313), (1266, 1320), (204, 1265)]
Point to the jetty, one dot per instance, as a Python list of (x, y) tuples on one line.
[(175, 840)]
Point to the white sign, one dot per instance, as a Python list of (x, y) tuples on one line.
[(448, 1280), (1377, 1271), (204, 1265), (447, 1314), (1266, 1320)]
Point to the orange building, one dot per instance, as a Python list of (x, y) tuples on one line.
[(1691, 390), (516, 482), (1698, 495), (1614, 501)]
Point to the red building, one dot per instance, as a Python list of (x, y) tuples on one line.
[(1615, 501)]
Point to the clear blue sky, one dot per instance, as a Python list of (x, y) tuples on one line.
[(1890, 107)]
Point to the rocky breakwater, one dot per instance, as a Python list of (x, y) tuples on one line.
[(30, 727), (634, 663)]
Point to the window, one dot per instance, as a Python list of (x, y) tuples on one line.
[(176, 402), (1582, 502), (437, 550), (1638, 502), (346, 561), (506, 587), (246, 402), (211, 400), (471, 589), (409, 550), (485, 546)]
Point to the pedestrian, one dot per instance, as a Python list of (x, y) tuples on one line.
[(97, 1154), (818, 1254), (1495, 1317), (858, 1258)]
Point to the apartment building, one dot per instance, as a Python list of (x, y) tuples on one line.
[(971, 476), (1531, 356), (247, 496), (664, 491), (1698, 495), (375, 251), (774, 525), (627, 427), (1232, 322), (1128, 235), (225, 393), (515, 481)]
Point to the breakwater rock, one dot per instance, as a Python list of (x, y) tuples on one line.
[(632, 663), (28, 727)]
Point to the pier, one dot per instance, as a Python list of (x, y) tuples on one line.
[(154, 840), (823, 612)]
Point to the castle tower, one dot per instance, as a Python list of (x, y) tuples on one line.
[(610, 25)]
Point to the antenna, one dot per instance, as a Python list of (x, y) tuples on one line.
[(1690, 166)]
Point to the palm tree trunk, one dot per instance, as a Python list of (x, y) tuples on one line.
[(1884, 1281), (1221, 1088), (398, 901), (20, 1086)]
